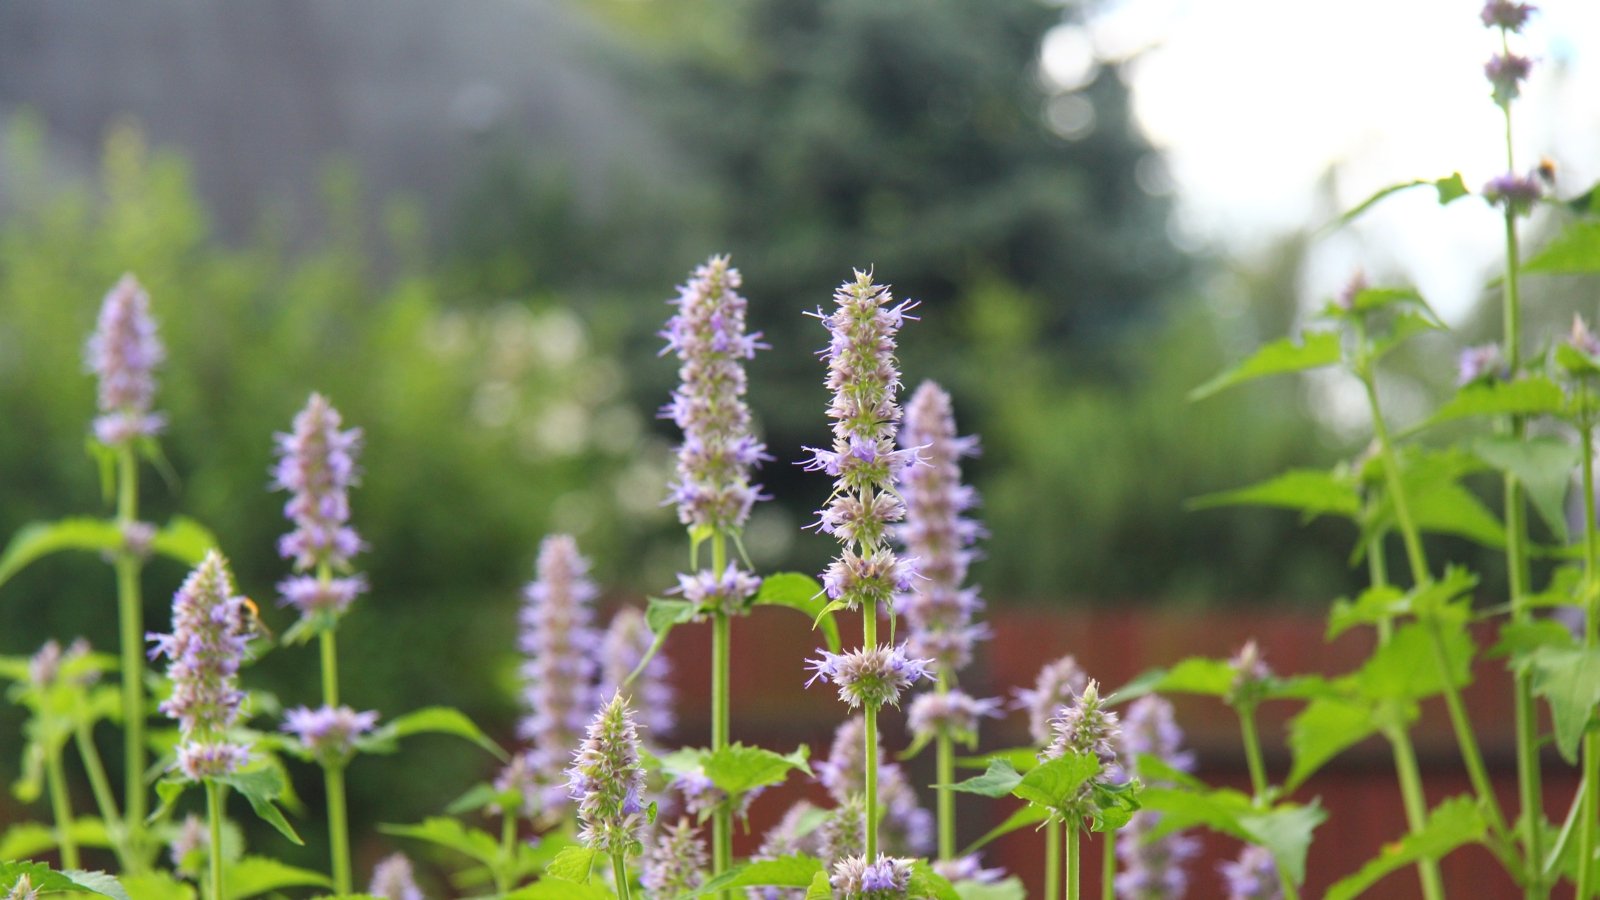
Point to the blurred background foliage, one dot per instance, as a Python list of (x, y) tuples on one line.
[(497, 346)]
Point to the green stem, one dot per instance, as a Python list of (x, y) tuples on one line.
[(61, 808), (214, 852), (1590, 818), (508, 849), (1052, 860), (1252, 753), (1073, 863), (619, 870), (869, 632), (721, 663), (338, 828), (130, 613), (946, 764), (103, 796), (1108, 867)]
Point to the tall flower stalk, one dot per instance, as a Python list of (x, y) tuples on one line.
[(317, 465), (864, 378), (1505, 72), (1084, 727), (712, 488), (123, 353), (205, 649)]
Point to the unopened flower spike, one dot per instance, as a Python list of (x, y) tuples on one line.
[(124, 352), (393, 879), (1085, 727), (675, 862), (607, 782)]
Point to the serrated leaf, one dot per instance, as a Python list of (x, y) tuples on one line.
[(1285, 830), (1575, 251), (573, 864), (446, 832), (39, 539), (261, 787), (1528, 396), (1544, 465), (1022, 818), (926, 883), (737, 769), (803, 593), (100, 883), (254, 875), (1454, 822), (797, 870), (1376, 604), (430, 720), (1520, 640), (1055, 782), (1445, 507), (1449, 189), (1406, 668), (999, 780), (1569, 680), (1314, 350), (157, 885), (662, 613), (1007, 889), (1323, 730), (45, 880), (820, 889), (1195, 675), (184, 540), (557, 889), (1314, 492)]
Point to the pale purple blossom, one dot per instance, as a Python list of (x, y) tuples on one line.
[(205, 648), (518, 777), (317, 465), (727, 593), (707, 334), (1085, 727), (1153, 869), (1058, 683), (967, 868), (124, 352), (701, 796), (191, 837), (951, 714), (1582, 339), (885, 878), (393, 879), (627, 639), (1506, 72), (784, 839), (1507, 14), (559, 646), (1250, 669), (1516, 193), (607, 781), (1346, 300), (871, 676), (905, 825), (138, 538), (1478, 363), (23, 889), (1253, 876), (328, 733), (675, 862), (51, 665)]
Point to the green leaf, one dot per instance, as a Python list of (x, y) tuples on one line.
[(558, 889), (1021, 758), (157, 885), (999, 780), (1286, 831), (1323, 730), (429, 720), (1052, 784), (481, 796), (1008, 889), (1569, 680), (1376, 604), (38, 539), (45, 880), (97, 883), (1544, 465), (1528, 396), (1575, 251), (1314, 492), (28, 839), (797, 870), (184, 540), (1195, 675), (1406, 669), (1445, 507), (801, 592), (1521, 640), (926, 883), (1454, 822), (1449, 188), (261, 787), (820, 889), (254, 875), (662, 613), (1317, 349), (573, 864), (1436, 598), (1027, 815), (736, 769), (444, 832)]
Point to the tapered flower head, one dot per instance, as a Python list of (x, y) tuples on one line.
[(606, 780), (1507, 14), (626, 641), (205, 648), (950, 714), (1058, 683), (675, 862), (329, 733), (707, 334), (393, 879), (872, 676), (1506, 72), (124, 352), (317, 465), (1085, 727), (559, 646), (885, 878), (1153, 869), (1253, 876)]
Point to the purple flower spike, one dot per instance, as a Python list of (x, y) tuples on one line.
[(952, 714), (1480, 363), (559, 646), (625, 644), (905, 826), (1507, 14), (1084, 726), (1506, 72), (392, 879), (1059, 682), (886, 878), (1253, 876), (1514, 192), (967, 868), (329, 733), (1153, 869), (205, 647), (675, 862), (872, 676), (124, 352), (607, 781), (317, 465), (713, 488)]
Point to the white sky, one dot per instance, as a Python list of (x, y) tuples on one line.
[(1254, 100)]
